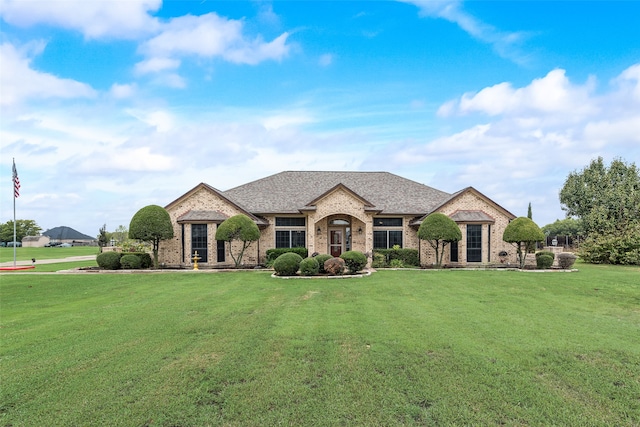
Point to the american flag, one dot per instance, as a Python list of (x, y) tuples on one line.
[(16, 181)]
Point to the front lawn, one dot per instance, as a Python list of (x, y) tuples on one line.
[(25, 254), (394, 348)]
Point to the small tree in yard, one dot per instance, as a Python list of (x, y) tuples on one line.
[(151, 224), (522, 232), (239, 227), (439, 230)]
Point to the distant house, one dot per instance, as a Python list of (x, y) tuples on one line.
[(69, 235), (332, 212), (35, 241)]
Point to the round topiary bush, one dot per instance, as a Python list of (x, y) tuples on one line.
[(309, 267), (287, 264), (354, 260), (566, 260), (130, 262), (322, 258), (109, 260), (334, 266), (145, 259), (544, 259)]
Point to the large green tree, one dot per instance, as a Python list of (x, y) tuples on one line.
[(564, 227), (238, 228), (439, 230), (151, 224), (24, 227), (607, 201), (605, 198), (522, 232)]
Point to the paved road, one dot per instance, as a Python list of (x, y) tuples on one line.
[(50, 261)]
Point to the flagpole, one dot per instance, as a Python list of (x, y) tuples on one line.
[(14, 228), (14, 177)]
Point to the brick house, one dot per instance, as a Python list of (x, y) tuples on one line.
[(332, 212)]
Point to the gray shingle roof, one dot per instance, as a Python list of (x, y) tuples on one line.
[(208, 216), (289, 191), (66, 233), (471, 216)]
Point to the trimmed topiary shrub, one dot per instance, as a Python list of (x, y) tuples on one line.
[(520, 232), (274, 253), (354, 260), (322, 258), (145, 259), (542, 259), (309, 266), (334, 266), (566, 260), (130, 262), (287, 264), (109, 260)]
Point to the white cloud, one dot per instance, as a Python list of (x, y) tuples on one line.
[(528, 139), (18, 81), (506, 44), (157, 64), (122, 91), (94, 19), (161, 120), (207, 36), (282, 120), (550, 95)]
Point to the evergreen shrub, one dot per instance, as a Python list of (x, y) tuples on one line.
[(309, 266), (544, 262), (274, 253), (109, 260), (544, 259), (130, 262), (145, 259), (379, 260), (396, 263), (287, 264), (354, 260), (322, 258), (409, 257)]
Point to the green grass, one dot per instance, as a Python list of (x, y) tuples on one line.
[(395, 348), (24, 254)]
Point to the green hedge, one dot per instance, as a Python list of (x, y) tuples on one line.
[(408, 257), (287, 264), (354, 260), (322, 258), (309, 266), (145, 259), (130, 262), (544, 259), (274, 253), (109, 260)]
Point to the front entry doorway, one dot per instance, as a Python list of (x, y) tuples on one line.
[(336, 241)]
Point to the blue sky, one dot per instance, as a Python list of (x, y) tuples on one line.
[(108, 106)]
